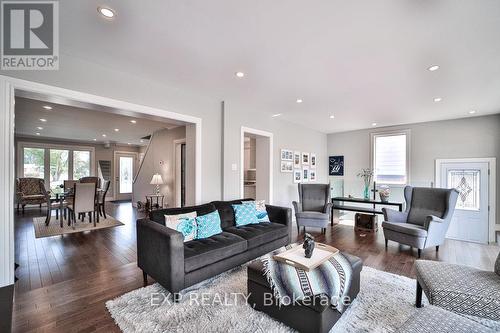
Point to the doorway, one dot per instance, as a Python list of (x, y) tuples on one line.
[(125, 166), (473, 219), (180, 172), (256, 178)]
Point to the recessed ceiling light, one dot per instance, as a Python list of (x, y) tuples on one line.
[(43, 120), (332, 116), (438, 99), (299, 100), (117, 129), (37, 133), (433, 68), (39, 128), (142, 140), (106, 12), (104, 135), (276, 115), (128, 143), (133, 121), (239, 74), (47, 107), (472, 111), (95, 139), (374, 124)]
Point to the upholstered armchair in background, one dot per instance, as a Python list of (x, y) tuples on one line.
[(426, 219), (314, 206), (29, 191)]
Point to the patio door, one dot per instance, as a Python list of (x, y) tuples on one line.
[(470, 221), (124, 175)]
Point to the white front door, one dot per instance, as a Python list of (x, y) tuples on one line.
[(471, 179), (124, 175)]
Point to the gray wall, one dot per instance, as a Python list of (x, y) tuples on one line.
[(82, 75), (285, 135), (460, 138), (161, 149)]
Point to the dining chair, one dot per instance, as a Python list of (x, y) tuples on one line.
[(69, 184), (101, 198), (84, 198), (92, 179)]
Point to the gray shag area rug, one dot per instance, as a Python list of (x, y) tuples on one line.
[(383, 304)]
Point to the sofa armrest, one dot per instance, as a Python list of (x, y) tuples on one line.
[(281, 215), (160, 254), (391, 215)]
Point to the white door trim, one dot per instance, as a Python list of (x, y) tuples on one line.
[(491, 186), (7, 87), (177, 171), (242, 158)]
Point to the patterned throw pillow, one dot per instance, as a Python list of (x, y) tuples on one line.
[(183, 223), (245, 214), (260, 207), (208, 225)]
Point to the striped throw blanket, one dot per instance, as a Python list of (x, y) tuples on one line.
[(332, 278)]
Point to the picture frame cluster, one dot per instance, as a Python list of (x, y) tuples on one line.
[(301, 164)]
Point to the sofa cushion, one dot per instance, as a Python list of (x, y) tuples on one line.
[(159, 214), (226, 211), (202, 252), (245, 214), (405, 228), (260, 233), (208, 225), (427, 201)]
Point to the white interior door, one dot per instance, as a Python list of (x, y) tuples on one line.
[(124, 175), (470, 220)]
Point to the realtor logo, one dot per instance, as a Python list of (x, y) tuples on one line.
[(30, 35)]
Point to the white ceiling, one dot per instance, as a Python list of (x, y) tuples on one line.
[(362, 61), (80, 124)]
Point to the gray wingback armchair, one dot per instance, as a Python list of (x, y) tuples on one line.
[(426, 219), (314, 206)]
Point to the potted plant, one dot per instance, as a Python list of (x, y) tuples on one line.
[(384, 192), (366, 175)]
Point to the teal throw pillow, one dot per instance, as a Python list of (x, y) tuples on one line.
[(245, 214), (260, 207), (208, 225)]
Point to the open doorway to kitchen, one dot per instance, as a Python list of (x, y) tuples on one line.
[(256, 164)]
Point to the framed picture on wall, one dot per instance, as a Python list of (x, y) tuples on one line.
[(305, 158), (297, 176), (312, 175), (313, 161), (305, 174), (336, 165), (286, 166), (286, 155), (296, 159)]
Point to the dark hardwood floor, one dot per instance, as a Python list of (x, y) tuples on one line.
[(64, 281)]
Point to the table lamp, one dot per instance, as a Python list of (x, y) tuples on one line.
[(157, 180)]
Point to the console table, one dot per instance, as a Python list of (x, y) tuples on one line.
[(370, 210)]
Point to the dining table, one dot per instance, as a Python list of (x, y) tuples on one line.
[(59, 196)]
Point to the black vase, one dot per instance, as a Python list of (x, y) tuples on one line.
[(308, 245)]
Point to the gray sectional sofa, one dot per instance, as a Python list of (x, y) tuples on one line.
[(163, 255)]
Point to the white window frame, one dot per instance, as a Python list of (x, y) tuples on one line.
[(47, 146), (374, 135)]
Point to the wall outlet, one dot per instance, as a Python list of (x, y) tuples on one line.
[(234, 167)]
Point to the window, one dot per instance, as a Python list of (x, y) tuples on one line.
[(59, 167), (390, 157), (81, 164), (54, 163), (34, 162)]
